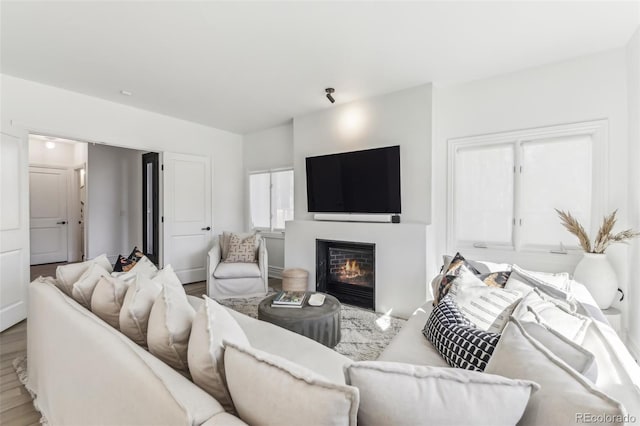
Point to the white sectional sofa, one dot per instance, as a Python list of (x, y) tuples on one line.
[(85, 372)]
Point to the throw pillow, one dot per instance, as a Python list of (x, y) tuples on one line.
[(482, 266), (564, 394), (406, 395), (488, 308), (449, 272), (124, 264), (211, 325), (459, 342), (138, 301), (558, 315), (107, 299), (555, 285), (241, 250), (142, 266), (83, 288), (169, 328), (67, 275), (226, 236), (269, 390), (574, 355)]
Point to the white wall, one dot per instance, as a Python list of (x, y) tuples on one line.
[(29, 106), (587, 88), (114, 207), (266, 150), (63, 155), (400, 118), (633, 89)]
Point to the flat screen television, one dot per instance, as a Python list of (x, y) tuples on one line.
[(355, 182)]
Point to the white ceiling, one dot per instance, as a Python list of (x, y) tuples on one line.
[(243, 66)]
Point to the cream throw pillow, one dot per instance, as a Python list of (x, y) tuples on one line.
[(400, 394), (67, 275), (553, 313), (137, 304), (564, 394), (269, 390), (488, 308), (170, 326), (144, 266), (241, 250), (211, 326), (82, 290), (107, 299)]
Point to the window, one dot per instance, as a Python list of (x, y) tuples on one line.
[(271, 199), (504, 188)]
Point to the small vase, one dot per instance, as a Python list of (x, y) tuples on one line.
[(598, 276)]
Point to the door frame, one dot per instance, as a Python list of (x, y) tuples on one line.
[(154, 159)]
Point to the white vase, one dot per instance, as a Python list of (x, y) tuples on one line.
[(597, 274)]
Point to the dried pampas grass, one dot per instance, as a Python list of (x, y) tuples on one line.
[(604, 237)]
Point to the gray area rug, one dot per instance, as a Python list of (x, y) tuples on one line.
[(365, 334)]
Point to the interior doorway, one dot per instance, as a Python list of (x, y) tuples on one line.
[(150, 205)]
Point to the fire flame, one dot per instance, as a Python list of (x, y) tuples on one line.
[(352, 269)]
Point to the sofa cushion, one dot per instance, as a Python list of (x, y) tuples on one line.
[(487, 307), (553, 313), (270, 390), (460, 343), (241, 250), (82, 290), (406, 395), (555, 285), (140, 296), (67, 275), (564, 394), (107, 299), (169, 327), (237, 270), (574, 355), (211, 326)]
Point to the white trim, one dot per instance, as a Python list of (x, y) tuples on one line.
[(597, 129), (275, 272), (634, 349), (272, 235)]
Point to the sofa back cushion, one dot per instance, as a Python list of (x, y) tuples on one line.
[(211, 326), (564, 395), (169, 326), (270, 390), (107, 299), (405, 395), (67, 275)]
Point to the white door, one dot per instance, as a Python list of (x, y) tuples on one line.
[(14, 231), (48, 214), (187, 215)]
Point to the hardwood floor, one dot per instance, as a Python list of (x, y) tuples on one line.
[(16, 406)]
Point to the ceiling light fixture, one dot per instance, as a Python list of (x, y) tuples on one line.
[(330, 91), (50, 145), (126, 93)]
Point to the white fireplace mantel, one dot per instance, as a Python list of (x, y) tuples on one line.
[(401, 249)]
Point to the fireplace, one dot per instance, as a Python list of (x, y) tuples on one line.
[(346, 270)]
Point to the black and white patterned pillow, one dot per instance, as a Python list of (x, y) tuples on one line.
[(459, 342)]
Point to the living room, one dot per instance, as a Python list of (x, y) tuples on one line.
[(434, 78)]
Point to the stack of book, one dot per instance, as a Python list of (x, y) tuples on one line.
[(289, 299)]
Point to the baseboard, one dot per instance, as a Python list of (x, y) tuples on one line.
[(275, 272)]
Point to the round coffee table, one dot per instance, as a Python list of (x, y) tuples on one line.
[(320, 323)]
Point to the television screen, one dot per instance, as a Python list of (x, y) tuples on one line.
[(355, 182)]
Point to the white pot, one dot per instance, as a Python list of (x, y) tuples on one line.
[(596, 273)]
